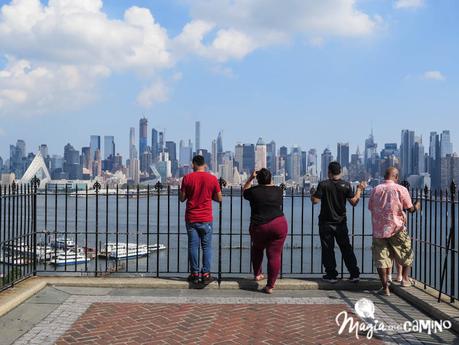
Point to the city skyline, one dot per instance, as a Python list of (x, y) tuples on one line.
[(157, 158), (316, 83)]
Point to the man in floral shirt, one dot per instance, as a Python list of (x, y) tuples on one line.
[(387, 204)]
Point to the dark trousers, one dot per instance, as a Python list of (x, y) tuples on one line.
[(270, 236), (339, 232)]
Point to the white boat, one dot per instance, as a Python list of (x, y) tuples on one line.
[(14, 260), (129, 252), (62, 242), (113, 247), (47, 254), (70, 258), (19, 247), (155, 247)]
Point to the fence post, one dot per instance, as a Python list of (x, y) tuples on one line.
[(424, 210), (158, 187), (35, 183), (222, 183), (96, 187), (453, 239)]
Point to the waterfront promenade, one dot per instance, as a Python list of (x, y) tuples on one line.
[(149, 311)]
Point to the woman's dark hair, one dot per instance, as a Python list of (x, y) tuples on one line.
[(264, 176), (334, 168), (199, 160)]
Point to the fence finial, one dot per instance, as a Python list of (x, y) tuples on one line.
[(13, 186), (158, 186), (35, 181), (426, 190), (97, 186)]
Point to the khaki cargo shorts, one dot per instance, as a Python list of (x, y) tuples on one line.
[(397, 247)]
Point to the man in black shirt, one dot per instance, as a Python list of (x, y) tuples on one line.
[(333, 194)]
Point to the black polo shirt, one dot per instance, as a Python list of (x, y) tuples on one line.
[(333, 195)]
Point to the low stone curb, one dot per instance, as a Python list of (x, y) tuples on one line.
[(11, 298), (429, 304)]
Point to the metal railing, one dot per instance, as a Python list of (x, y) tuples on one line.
[(141, 231)]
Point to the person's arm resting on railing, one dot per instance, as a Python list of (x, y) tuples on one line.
[(217, 195), (356, 198), (408, 203), (316, 194), (183, 196)]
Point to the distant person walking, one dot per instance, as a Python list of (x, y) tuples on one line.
[(198, 189), (333, 194), (391, 240), (268, 226)]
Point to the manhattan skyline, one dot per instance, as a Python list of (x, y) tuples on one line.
[(381, 64)]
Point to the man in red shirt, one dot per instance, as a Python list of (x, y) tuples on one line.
[(199, 189)]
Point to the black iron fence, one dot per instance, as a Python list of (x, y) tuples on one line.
[(141, 231)]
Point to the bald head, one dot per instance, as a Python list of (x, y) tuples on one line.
[(391, 174)]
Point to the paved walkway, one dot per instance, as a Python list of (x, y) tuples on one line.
[(67, 315)]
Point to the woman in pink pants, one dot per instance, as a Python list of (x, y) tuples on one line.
[(268, 226)]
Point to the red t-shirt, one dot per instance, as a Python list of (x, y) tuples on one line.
[(199, 188)]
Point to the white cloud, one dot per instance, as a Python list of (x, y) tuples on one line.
[(58, 50), (235, 28), (38, 89), (157, 92), (399, 4), (433, 75)]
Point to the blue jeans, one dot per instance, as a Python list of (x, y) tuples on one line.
[(199, 234)]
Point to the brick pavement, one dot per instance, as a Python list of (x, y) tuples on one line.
[(135, 323)]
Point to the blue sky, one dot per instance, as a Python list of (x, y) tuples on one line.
[(298, 72)]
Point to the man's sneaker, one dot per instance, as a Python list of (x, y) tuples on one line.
[(207, 278), (193, 278), (330, 279), (354, 279)]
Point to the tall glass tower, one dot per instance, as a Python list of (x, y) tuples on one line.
[(143, 135)]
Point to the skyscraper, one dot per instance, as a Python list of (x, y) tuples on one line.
[(214, 163), (434, 162), (260, 154), (343, 154), (160, 142), (238, 156), (143, 135), (271, 157), (132, 148), (185, 154), (446, 146), (86, 159), (406, 153), (44, 151), (418, 157), (326, 158), (72, 162), (294, 164), (109, 146), (248, 158), (171, 148), (154, 144), (219, 147), (312, 162), (94, 144), (197, 134)]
